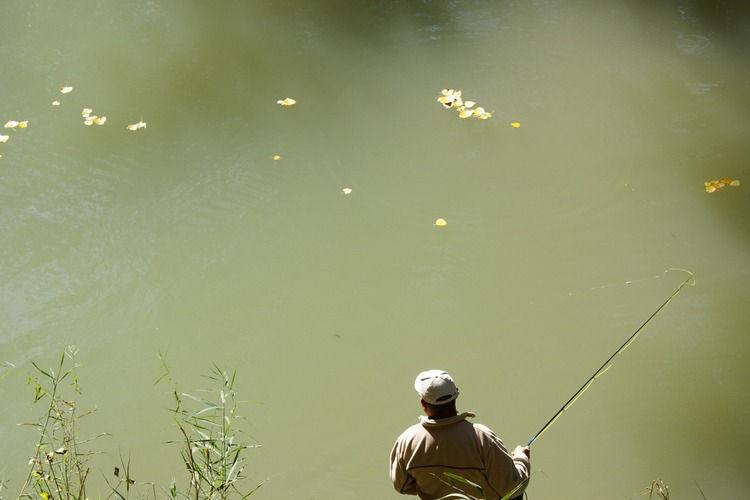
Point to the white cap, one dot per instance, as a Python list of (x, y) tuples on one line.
[(436, 387)]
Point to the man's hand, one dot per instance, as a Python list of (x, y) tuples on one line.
[(522, 450)]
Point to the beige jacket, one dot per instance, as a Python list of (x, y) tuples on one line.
[(427, 449)]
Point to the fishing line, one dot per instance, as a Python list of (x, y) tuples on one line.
[(607, 364)]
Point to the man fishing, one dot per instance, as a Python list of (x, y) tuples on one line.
[(445, 441)]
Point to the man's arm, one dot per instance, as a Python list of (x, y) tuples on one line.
[(402, 481), (505, 472)]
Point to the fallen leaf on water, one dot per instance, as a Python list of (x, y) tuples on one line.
[(450, 98), (4, 139), (90, 120), (11, 124), (276, 157), (441, 222), (66, 89), (516, 125), (100, 120), (136, 126), (86, 112), (287, 101), (55, 103), (465, 113), (715, 185), (347, 190), (23, 124)]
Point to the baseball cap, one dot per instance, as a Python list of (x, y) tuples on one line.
[(436, 387)]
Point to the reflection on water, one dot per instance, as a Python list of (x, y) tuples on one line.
[(188, 237)]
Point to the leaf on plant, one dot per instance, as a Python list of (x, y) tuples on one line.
[(461, 479)]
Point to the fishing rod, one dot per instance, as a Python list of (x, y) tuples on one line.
[(606, 365)]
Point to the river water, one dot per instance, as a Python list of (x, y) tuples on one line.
[(186, 237)]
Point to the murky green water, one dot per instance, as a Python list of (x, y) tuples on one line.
[(187, 237)]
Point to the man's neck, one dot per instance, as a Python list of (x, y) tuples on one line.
[(441, 416)]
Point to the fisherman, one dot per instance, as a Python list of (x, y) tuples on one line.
[(445, 441)]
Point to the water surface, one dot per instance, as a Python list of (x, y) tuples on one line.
[(186, 237)]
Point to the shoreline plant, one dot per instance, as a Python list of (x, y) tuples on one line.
[(210, 443)]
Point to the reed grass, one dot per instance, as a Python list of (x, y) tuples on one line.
[(211, 445), (58, 469), (210, 442)]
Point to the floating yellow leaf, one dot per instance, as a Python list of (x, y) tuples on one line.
[(441, 222), (465, 113), (347, 190), (23, 124), (11, 124), (136, 126), (100, 120), (715, 185), (89, 120), (450, 98), (516, 125), (55, 103), (276, 157), (66, 89), (86, 112), (287, 101), (44, 495), (4, 139)]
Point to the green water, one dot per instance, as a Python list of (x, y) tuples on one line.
[(186, 237)]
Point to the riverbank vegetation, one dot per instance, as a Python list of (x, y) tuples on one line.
[(208, 438)]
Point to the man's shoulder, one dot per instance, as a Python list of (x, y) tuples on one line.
[(411, 432), (484, 431)]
